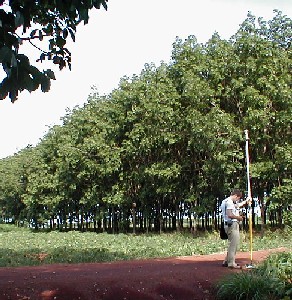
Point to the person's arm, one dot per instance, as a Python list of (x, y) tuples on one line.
[(230, 215), (247, 201), (238, 218)]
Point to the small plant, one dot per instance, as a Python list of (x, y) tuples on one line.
[(278, 266), (246, 286), (270, 281)]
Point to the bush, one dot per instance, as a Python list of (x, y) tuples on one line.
[(279, 266), (246, 286), (271, 280)]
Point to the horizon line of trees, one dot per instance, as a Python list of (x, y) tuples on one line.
[(168, 144)]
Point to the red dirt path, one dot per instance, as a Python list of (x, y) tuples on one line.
[(181, 278)]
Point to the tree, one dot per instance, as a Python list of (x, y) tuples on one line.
[(49, 22), (168, 143)]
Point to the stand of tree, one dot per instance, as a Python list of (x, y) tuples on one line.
[(163, 149), (46, 25)]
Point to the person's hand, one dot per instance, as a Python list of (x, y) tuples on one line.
[(248, 200), (240, 218)]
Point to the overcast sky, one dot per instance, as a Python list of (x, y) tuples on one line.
[(119, 42)]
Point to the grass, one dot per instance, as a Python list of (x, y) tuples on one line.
[(271, 280), (243, 286), (22, 247), (278, 267)]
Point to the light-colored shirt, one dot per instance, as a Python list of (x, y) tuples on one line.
[(228, 204)]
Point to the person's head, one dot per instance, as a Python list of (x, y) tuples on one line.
[(236, 194)]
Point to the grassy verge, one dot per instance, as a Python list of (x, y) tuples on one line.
[(271, 280), (21, 246)]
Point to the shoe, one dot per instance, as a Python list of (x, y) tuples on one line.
[(225, 264), (235, 267)]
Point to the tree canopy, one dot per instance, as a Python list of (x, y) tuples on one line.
[(168, 143), (49, 22)]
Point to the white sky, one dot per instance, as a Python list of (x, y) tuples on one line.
[(120, 42)]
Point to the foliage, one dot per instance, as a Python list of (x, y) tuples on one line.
[(168, 142), (22, 246), (48, 22), (242, 286), (279, 266), (270, 280)]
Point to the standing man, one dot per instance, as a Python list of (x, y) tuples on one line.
[(230, 210)]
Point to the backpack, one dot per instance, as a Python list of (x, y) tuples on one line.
[(223, 234)]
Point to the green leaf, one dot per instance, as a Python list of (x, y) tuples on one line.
[(72, 34), (41, 35), (65, 33), (5, 54), (83, 14), (50, 74), (45, 84), (19, 19), (60, 42), (33, 33), (13, 60)]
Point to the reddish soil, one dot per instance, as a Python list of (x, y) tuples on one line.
[(181, 278)]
